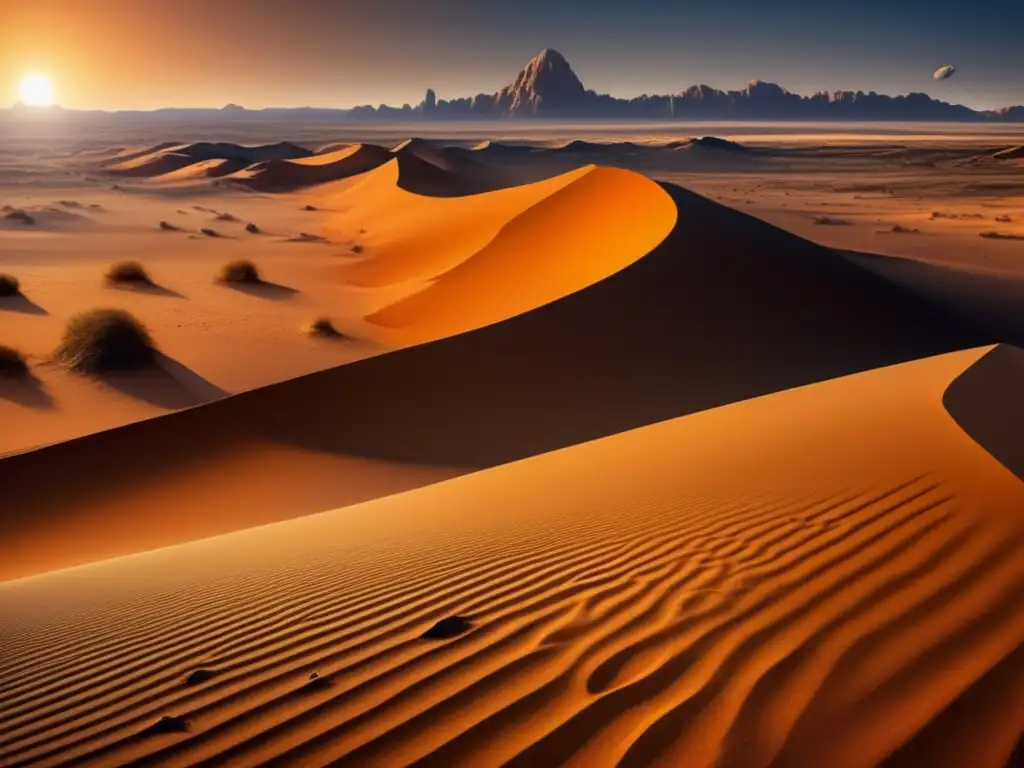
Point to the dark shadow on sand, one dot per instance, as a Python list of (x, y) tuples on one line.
[(21, 304), (152, 288), (985, 400), (28, 391), (165, 384), (263, 290), (987, 301), (726, 308)]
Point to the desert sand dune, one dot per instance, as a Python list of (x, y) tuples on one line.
[(155, 164), (445, 171), (707, 143), (282, 150), (132, 153), (825, 576), (449, 158), (162, 160), (205, 169), (278, 175), (424, 169), (500, 148), (725, 308)]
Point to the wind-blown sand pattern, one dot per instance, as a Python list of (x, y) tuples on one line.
[(609, 355), (825, 576), (597, 470)]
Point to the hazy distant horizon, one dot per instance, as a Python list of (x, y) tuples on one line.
[(468, 132), (121, 54)]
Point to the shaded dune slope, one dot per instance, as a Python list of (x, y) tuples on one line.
[(280, 175), (424, 169), (824, 576), (163, 159), (251, 475), (726, 308)]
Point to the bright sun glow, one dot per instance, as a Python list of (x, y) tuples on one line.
[(36, 91)]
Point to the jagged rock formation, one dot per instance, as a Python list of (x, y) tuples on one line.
[(546, 85)]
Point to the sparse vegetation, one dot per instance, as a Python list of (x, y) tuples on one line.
[(12, 363), (210, 232), (309, 208), (128, 273), (830, 221), (1004, 219), (9, 286), (323, 328), (168, 227), (102, 340), (241, 271), (357, 248), (252, 229), (226, 217)]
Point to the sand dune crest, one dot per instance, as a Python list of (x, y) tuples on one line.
[(654, 613)]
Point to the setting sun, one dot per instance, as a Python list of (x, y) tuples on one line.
[(36, 91)]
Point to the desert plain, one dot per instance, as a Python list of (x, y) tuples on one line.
[(682, 445)]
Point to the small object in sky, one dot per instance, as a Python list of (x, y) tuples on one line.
[(944, 73)]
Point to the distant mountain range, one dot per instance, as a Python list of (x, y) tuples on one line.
[(549, 88)]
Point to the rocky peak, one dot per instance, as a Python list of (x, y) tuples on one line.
[(546, 84)]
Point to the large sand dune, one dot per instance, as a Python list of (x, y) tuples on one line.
[(825, 576), (725, 308), (277, 175), (253, 463)]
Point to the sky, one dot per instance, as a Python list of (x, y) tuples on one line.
[(145, 54)]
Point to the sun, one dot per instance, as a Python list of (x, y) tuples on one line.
[(36, 91)]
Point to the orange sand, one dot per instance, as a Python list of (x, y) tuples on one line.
[(825, 576)]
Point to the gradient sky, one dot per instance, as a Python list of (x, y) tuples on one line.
[(143, 54)]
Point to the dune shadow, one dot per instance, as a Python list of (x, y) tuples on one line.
[(29, 392), (985, 400), (152, 289), (263, 290), (21, 304), (987, 301), (166, 384)]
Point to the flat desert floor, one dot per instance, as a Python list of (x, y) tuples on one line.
[(630, 445)]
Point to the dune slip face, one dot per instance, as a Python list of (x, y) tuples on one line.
[(633, 302), (825, 576)]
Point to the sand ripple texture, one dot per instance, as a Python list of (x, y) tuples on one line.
[(828, 576)]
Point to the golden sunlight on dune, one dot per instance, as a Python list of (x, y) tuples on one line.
[(824, 576), (484, 259)]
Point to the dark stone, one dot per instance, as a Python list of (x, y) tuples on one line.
[(447, 628), (198, 676), (169, 724)]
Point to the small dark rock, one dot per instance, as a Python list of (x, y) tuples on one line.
[(316, 683), (167, 227), (252, 229), (357, 248), (447, 628), (199, 676), (309, 208), (210, 232), (169, 724)]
